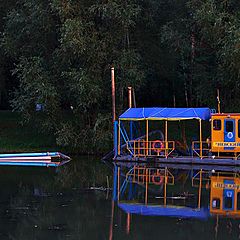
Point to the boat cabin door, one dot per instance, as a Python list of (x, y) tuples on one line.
[(228, 196), (229, 132)]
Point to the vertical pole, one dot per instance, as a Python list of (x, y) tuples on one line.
[(134, 174), (200, 190), (131, 130), (146, 189), (115, 138), (118, 184), (218, 99), (166, 138), (128, 223), (146, 137), (130, 106), (119, 137), (115, 182), (129, 97), (111, 223), (200, 136), (134, 148), (130, 191), (165, 187), (113, 95), (114, 111)]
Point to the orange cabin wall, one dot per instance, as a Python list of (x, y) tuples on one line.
[(218, 135), (218, 193)]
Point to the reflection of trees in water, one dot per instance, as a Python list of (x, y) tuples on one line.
[(82, 175), (55, 205), (76, 216)]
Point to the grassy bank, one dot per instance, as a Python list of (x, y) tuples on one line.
[(14, 137)]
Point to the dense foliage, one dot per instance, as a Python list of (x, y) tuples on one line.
[(58, 53)]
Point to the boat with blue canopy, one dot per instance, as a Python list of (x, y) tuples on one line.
[(134, 141)]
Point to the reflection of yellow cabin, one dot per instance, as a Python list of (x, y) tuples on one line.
[(225, 129), (225, 195)]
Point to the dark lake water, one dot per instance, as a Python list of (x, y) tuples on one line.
[(74, 203)]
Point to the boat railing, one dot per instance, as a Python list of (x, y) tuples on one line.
[(201, 179), (201, 148), (142, 148), (205, 177), (143, 175)]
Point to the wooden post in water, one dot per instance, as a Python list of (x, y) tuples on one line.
[(200, 190), (118, 183), (129, 97), (146, 188), (115, 135), (113, 95), (111, 223), (128, 223), (165, 187)]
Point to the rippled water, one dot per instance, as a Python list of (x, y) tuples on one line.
[(73, 203)]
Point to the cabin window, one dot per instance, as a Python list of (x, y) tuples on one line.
[(217, 124), (239, 128), (216, 203), (229, 126), (238, 201)]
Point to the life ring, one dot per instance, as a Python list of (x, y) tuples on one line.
[(157, 146), (157, 179), (230, 135)]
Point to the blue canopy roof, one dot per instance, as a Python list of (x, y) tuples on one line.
[(166, 113), (170, 211)]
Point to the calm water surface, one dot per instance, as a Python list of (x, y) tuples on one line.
[(73, 203)]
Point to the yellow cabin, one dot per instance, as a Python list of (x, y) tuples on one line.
[(225, 195), (225, 133)]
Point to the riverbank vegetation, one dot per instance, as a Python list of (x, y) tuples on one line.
[(57, 54), (18, 137)]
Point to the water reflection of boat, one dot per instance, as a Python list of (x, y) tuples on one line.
[(149, 185), (225, 195), (168, 211), (210, 192)]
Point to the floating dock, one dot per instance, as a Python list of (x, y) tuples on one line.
[(47, 159), (182, 160)]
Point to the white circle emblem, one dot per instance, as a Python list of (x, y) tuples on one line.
[(229, 194), (230, 135)]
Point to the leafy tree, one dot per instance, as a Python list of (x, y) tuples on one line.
[(63, 53), (174, 53)]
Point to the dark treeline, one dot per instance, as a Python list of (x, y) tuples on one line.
[(58, 53)]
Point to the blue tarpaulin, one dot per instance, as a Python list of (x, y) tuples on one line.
[(166, 114), (170, 211)]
